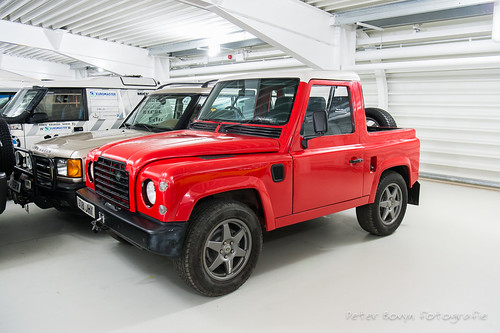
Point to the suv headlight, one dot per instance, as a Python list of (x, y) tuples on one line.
[(149, 192), (90, 171), (23, 160), (69, 167)]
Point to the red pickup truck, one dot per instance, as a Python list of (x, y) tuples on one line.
[(266, 151)]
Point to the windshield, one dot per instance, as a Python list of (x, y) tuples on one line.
[(5, 97), (258, 101), (160, 111), (20, 102)]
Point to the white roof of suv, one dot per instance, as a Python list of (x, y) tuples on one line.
[(303, 75), (117, 82)]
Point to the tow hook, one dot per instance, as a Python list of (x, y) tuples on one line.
[(98, 224)]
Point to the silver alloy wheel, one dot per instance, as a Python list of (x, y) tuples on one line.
[(227, 249), (390, 203)]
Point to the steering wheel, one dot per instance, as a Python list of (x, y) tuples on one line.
[(236, 111)]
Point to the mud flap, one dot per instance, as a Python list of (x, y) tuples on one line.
[(414, 194)]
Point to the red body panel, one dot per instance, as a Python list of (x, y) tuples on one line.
[(318, 180)]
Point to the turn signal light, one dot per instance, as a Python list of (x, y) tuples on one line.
[(74, 168)]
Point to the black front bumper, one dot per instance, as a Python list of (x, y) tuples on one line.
[(161, 238), (52, 194)]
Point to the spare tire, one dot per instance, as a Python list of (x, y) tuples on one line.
[(376, 117), (7, 159)]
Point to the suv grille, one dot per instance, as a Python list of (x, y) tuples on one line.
[(43, 170), (111, 181)]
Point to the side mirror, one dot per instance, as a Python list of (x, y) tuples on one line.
[(320, 122), (38, 117)]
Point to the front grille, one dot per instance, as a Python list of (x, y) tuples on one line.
[(111, 181), (44, 171)]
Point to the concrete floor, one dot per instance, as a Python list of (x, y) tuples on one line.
[(438, 273)]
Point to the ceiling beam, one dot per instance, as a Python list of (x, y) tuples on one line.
[(34, 68), (281, 24), (440, 15), (202, 43), (112, 57), (405, 8)]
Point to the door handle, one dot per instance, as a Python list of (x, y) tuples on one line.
[(356, 161)]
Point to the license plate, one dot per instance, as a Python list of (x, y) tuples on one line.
[(86, 207), (15, 185)]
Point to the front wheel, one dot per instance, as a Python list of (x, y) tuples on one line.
[(385, 214), (221, 249)]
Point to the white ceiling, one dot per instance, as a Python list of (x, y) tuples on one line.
[(148, 24), (144, 23), (333, 6)]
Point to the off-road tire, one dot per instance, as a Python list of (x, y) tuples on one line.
[(221, 234), (385, 214), (379, 118), (7, 158)]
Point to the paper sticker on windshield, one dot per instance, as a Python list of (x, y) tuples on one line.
[(186, 100), (213, 109)]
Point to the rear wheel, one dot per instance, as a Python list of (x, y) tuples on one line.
[(221, 249), (385, 214), (7, 159), (376, 117)]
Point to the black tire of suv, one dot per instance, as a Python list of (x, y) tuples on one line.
[(379, 118), (7, 158), (234, 230), (391, 200)]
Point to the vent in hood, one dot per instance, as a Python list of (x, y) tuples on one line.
[(268, 132), (204, 126)]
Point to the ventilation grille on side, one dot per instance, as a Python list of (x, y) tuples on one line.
[(111, 181)]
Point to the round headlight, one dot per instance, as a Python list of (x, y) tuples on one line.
[(90, 172), (149, 192)]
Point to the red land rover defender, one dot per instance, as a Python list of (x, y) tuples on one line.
[(267, 151)]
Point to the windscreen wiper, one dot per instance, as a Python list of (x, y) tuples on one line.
[(226, 127), (141, 125)]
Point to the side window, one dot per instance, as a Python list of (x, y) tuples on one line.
[(62, 105), (335, 101)]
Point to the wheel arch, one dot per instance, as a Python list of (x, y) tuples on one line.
[(254, 195), (248, 196), (402, 169)]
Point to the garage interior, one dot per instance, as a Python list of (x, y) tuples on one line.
[(434, 65)]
